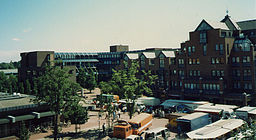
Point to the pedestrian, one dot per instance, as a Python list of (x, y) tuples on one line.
[(119, 114), (103, 128)]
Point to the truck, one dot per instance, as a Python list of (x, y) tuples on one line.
[(192, 122), (134, 126)]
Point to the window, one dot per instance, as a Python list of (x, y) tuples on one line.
[(213, 60), (161, 63), (190, 73), (193, 48), (197, 61), (216, 47), (190, 61), (152, 62), (194, 61), (189, 51), (246, 59), (204, 49), (217, 60), (180, 61), (222, 73), (174, 71), (213, 73), (221, 49), (247, 72), (203, 37), (172, 61), (181, 73)]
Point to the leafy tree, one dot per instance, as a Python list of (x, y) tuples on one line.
[(3, 82), (81, 77), (105, 87), (87, 78), (57, 91), (130, 84), (76, 113), (21, 87), (13, 83), (28, 87), (23, 132), (11, 65)]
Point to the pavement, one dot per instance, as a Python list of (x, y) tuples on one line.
[(91, 129)]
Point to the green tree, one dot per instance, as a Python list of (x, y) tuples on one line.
[(23, 132), (87, 78), (21, 88), (27, 87), (3, 82), (57, 91), (130, 84), (13, 82), (76, 113), (105, 87)]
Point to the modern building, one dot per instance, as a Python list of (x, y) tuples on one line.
[(15, 108)]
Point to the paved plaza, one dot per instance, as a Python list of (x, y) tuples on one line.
[(92, 128)]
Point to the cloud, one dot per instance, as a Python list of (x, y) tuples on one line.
[(16, 39), (27, 30)]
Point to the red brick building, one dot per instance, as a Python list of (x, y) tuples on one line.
[(217, 64)]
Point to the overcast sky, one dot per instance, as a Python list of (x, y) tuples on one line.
[(94, 25)]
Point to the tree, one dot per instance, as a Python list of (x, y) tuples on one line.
[(21, 88), (57, 91), (87, 78), (76, 113), (28, 87), (3, 82), (130, 84), (23, 132), (13, 81)]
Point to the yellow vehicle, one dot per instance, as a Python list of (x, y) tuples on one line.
[(122, 130), (140, 123)]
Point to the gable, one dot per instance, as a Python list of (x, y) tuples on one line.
[(161, 56), (203, 26)]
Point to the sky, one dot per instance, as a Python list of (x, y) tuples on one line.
[(94, 25)]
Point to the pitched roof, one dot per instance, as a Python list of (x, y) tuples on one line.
[(169, 53), (217, 25), (149, 54), (247, 25), (232, 21), (132, 55), (206, 25)]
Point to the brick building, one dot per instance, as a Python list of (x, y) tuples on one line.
[(217, 63)]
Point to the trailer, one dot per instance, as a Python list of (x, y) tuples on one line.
[(192, 122)]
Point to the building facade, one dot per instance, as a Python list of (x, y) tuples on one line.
[(217, 64)]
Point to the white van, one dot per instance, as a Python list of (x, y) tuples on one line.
[(157, 133)]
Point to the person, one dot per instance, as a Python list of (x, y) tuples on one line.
[(103, 128), (119, 115)]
